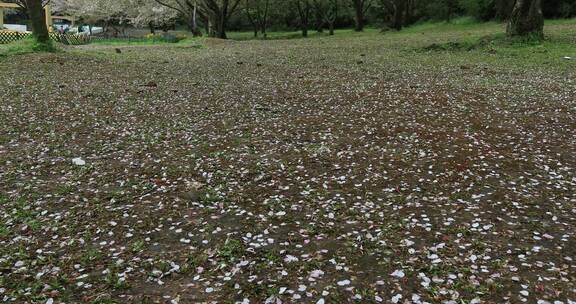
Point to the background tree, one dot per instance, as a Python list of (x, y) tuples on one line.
[(257, 14), (443, 9), (503, 9), (327, 10), (360, 8), (397, 11), (304, 9), (219, 13), (218, 16), (527, 19), (153, 15), (112, 14), (189, 9), (482, 10)]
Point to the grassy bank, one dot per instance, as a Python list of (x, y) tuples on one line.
[(25, 46)]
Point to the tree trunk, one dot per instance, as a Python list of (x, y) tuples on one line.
[(504, 9), (398, 18), (38, 20), (527, 19), (253, 19), (221, 32), (208, 27), (152, 29), (359, 15), (218, 24), (319, 21), (304, 14), (264, 25), (409, 12), (194, 22), (331, 28)]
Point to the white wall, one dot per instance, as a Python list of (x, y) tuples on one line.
[(16, 27)]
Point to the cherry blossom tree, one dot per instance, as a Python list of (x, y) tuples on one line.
[(154, 15), (108, 12), (141, 13), (189, 9)]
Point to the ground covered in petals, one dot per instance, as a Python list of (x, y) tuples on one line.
[(377, 167)]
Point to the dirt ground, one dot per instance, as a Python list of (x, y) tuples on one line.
[(365, 168)]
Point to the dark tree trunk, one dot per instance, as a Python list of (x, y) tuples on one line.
[(193, 26), (303, 8), (331, 28), (359, 15), (527, 19), (194, 21), (221, 33), (264, 25), (152, 29), (409, 12), (219, 12), (504, 9), (255, 26), (38, 20), (252, 20), (398, 18), (221, 28), (319, 21)]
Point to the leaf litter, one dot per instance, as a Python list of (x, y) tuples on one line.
[(309, 179)]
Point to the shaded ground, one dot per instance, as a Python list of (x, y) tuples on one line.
[(338, 169)]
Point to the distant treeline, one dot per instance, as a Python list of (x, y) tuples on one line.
[(399, 13), (215, 17)]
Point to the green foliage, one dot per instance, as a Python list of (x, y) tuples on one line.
[(26, 46), (145, 40), (559, 8), (104, 301), (458, 24), (443, 9), (4, 231), (166, 38), (231, 249), (285, 35), (480, 9)]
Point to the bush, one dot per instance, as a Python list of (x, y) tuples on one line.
[(482, 10), (168, 38), (442, 9), (26, 46)]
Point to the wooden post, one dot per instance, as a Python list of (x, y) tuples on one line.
[(1, 18), (48, 13)]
